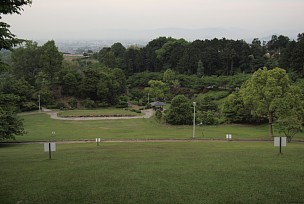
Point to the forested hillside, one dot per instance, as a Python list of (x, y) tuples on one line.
[(210, 72), (165, 67), (206, 57), (229, 81)]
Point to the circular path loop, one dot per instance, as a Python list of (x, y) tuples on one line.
[(54, 115)]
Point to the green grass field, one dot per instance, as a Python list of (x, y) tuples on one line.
[(40, 126), (184, 172)]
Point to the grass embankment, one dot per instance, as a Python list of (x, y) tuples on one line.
[(208, 172), (107, 112), (40, 127)]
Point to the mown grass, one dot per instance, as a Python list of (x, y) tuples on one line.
[(98, 112), (40, 127), (186, 172)]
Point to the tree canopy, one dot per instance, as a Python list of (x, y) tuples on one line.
[(8, 39), (264, 91), (10, 124), (180, 112)]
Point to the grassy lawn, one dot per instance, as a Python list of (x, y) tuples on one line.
[(40, 127), (98, 112), (204, 172)]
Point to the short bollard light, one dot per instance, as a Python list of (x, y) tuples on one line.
[(228, 137), (97, 141)]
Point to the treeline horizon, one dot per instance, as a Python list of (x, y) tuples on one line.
[(206, 57), (105, 78)]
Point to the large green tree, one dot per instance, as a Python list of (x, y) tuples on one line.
[(156, 89), (31, 60), (290, 114), (103, 85), (180, 112), (8, 39), (25, 61), (10, 125), (264, 91), (50, 59)]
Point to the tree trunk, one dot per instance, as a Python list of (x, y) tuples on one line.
[(270, 118)]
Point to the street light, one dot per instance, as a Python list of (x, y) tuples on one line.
[(148, 98), (194, 104), (39, 103)]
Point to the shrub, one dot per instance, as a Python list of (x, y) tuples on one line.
[(28, 106), (122, 104), (73, 103), (47, 97), (60, 105), (158, 115), (88, 103), (208, 118), (180, 112)]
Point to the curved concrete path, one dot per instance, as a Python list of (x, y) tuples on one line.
[(54, 115)]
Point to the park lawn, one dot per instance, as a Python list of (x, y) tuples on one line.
[(182, 172), (70, 58), (40, 126), (98, 112)]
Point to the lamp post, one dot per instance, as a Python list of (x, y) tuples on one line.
[(193, 135), (39, 103)]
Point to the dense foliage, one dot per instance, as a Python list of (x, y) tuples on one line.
[(10, 124), (223, 76), (207, 57), (8, 39), (180, 112)]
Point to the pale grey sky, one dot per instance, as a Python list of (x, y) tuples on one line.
[(106, 19)]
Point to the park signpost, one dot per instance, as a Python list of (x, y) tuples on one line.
[(279, 142), (97, 141), (50, 147)]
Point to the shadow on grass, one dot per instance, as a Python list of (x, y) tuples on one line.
[(7, 144)]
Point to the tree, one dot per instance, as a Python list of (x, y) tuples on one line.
[(26, 61), (103, 85), (119, 51), (10, 124), (169, 76), (20, 88), (69, 84), (8, 39), (291, 122), (156, 89), (200, 68), (290, 126), (30, 60), (50, 59), (89, 84), (235, 111), (297, 55), (180, 112), (263, 92), (207, 117)]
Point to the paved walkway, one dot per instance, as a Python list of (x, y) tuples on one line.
[(54, 115), (136, 141)]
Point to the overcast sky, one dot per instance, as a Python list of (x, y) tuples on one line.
[(106, 19)]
